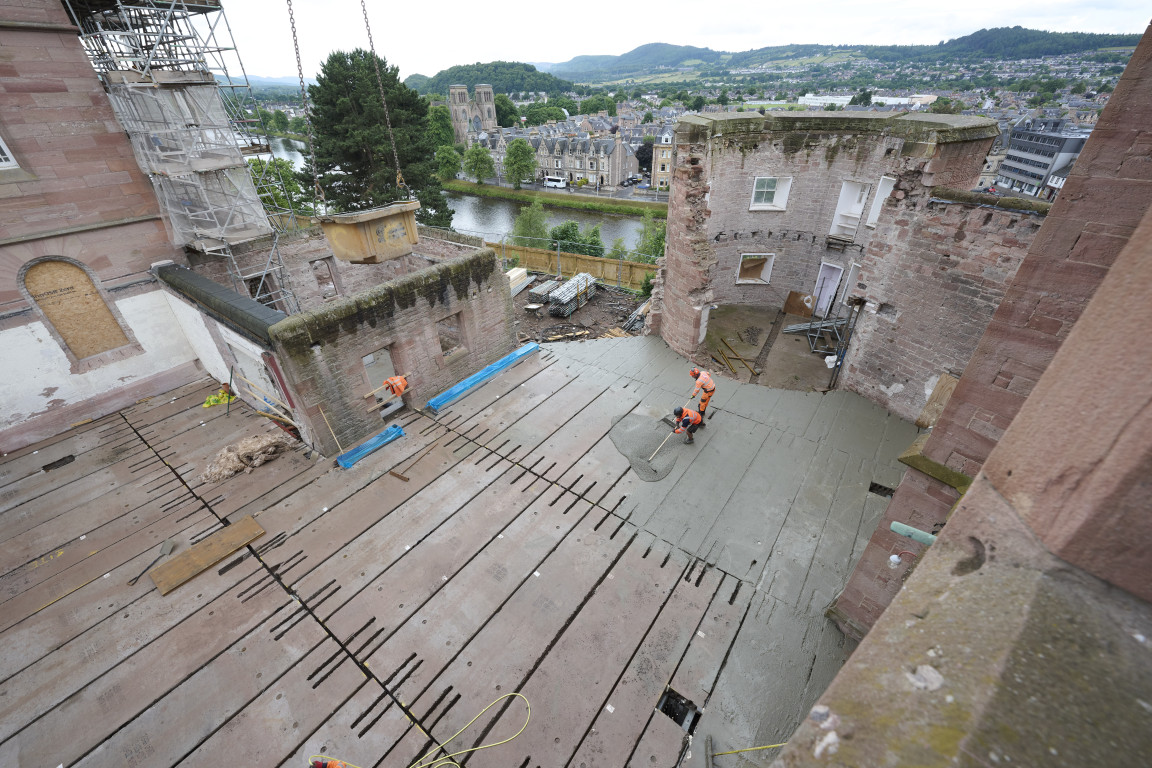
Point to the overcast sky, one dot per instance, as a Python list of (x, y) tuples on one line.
[(426, 37)]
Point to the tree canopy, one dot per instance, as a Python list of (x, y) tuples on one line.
[(598, 103), (519, 161), (478, 163), (278, 186), (503, 76), (440, 126), (538, 114), (506, 113), (570, 239), (353, 151), (644, 155), (448, 162), (530, 229), (652, 234)]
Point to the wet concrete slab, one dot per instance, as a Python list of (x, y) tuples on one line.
[(377, 617)]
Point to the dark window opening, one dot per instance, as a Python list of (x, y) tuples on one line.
[(451, 339)]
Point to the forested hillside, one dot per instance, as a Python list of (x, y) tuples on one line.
[(503, 76)]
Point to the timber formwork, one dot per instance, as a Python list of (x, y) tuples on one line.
[(523, 555)]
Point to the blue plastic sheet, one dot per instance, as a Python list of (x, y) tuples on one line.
[(476, 379), (346, 460)]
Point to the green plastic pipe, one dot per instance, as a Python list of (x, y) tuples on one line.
[(913, 533)]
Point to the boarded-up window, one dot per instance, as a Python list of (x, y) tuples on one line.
[(74, 307)]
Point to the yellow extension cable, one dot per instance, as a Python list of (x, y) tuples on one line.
[(749, 749), (448, 759)]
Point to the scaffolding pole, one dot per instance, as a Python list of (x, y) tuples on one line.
[(177, 85)]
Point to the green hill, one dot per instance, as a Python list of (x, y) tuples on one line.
[(503, 76)]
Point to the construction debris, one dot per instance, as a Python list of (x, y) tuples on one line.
[(540, 292), (518, 279), (637, 317), (574, 294), (245, 456)]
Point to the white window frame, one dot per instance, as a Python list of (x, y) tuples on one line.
[(779, 200), (883, 190), (7, 160), (765, 273)]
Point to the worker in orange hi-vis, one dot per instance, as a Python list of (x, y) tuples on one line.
[(688, 421), (704, 387)]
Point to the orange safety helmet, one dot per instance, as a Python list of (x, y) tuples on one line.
[(694, 373)]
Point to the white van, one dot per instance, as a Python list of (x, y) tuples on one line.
[(555, 181)]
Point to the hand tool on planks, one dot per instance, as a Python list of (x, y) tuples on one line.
[(403, 376), (165, 549), (736, 354), (408, 468), (660, 446), (267, 394), (727, 362), (338, 446), (382, 403)]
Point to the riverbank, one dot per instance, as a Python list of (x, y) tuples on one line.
[(561, 199)]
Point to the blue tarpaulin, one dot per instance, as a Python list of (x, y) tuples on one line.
[(476, 379), (346, 460)]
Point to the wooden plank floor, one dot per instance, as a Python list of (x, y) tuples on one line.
[(377, 617)]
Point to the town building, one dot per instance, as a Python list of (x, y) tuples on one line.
[(1037, 147), (471, 114)]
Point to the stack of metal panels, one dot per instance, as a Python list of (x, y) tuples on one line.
[(540, 292), (574, 294)]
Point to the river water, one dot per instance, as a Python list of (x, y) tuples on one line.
[(493, 219)]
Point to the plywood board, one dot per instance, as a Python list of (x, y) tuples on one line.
[(937, 400), (799, 304), (204, 555), (75, 308)]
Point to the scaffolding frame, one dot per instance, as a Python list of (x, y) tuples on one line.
[(178, 87)]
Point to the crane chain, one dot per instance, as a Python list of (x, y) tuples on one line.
[(316, 188), (380, 82)]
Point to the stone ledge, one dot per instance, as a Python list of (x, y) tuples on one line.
[(914, 457), (995, 652)]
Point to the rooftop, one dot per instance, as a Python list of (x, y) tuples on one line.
[(525, 553)]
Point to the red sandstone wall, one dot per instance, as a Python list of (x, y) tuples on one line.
[(77, 170), (710, 225), (1107, 194), (933, 275), (322, 352)]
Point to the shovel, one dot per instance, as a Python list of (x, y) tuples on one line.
[(165, 549)]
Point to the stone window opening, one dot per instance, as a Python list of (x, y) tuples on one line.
[(755, 268), (7, 161), (450, 333), (883, 190), (770, 193), (325, 278), (378, 367)]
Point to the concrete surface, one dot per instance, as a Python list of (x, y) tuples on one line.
[(524, 555)]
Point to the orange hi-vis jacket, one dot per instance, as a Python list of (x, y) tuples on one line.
[(689, 418), (396, 385), (703, 382)]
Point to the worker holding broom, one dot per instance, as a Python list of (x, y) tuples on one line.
[(688, 421), (705, 386)]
